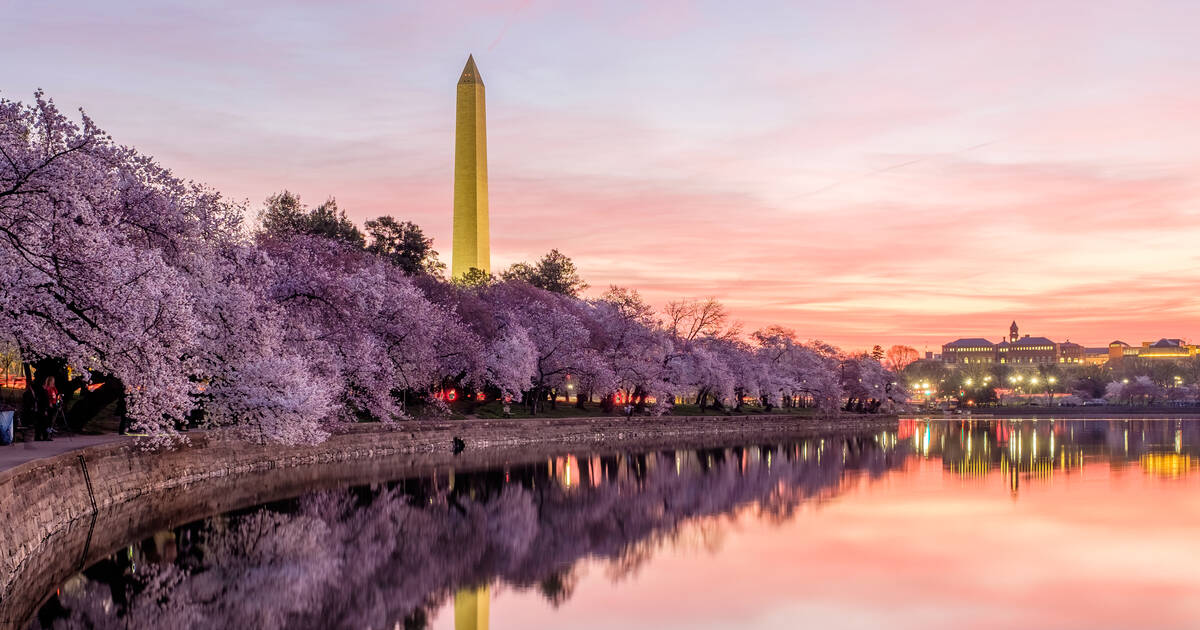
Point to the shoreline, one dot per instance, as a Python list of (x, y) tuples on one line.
[(69, 510), (1069, 413)]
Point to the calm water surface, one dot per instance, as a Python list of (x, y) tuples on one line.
[(984, 524)]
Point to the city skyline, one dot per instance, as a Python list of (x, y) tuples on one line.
[(917, 182)]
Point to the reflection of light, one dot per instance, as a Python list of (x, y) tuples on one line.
[(1167, 464), (1178, 440)]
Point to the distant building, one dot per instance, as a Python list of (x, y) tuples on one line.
[(1168, 349), (969, 350), (1163, 349), (1118, 350), (1027, 350), (1015, 350), (1095, 356), (1071, 352)]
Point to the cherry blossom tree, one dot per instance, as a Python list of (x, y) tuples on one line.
[(135, 278), (558, 334), (89, 238)]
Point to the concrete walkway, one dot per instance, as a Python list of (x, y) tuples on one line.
[(18, 453)]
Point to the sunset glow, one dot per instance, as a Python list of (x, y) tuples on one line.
[(862, 172)]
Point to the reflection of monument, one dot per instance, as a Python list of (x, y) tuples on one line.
[(471, 237), (471, 608)]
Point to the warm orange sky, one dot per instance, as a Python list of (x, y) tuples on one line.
[(862, 172)]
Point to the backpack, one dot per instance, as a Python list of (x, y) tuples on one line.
[(6, 428)]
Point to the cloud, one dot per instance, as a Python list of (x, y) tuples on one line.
[(822, 166)]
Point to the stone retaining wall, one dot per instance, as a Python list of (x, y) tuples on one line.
[(53, 524)]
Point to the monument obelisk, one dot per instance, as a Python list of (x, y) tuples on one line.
[(471, 236)]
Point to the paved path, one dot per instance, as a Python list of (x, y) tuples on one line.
[(18, 453)]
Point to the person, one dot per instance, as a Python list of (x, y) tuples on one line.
[(628, 410), (48, 400)]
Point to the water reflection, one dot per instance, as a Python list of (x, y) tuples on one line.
[(446, 549), (1024, 450), (388, 556)]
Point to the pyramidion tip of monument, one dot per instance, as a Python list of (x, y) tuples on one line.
[(470, 73)]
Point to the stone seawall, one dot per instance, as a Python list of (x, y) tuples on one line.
[(62, 513)]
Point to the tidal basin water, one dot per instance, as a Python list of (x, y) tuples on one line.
[(936, 524)]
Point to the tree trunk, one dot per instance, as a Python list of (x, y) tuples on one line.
[(92, 403)]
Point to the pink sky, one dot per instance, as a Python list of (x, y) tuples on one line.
[(893, 172), (919, 548)]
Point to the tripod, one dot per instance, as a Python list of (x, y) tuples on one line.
[(59, 419)]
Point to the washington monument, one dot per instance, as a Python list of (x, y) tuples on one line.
[(471, 237)]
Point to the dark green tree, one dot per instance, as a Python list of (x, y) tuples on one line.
[(933, 372), (1090, 381), (404, 244), (474, 278), (285, 215), (553, 272)]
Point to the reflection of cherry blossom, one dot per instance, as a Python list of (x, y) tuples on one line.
[(373, 558)]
